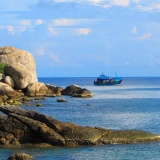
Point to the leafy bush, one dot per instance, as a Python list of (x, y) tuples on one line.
[(2, 65)]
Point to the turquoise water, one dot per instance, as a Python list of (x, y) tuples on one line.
[(135, 104)]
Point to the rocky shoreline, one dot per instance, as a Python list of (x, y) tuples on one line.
[(21, 128)]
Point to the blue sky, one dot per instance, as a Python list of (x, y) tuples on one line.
[(70, 38)]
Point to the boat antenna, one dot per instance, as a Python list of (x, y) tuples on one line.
[(115, 74)]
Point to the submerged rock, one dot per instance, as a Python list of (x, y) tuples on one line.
[(61, 100)]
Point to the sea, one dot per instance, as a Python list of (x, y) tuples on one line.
[(134, 104)]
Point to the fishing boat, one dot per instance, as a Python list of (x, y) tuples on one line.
[(104, 80)]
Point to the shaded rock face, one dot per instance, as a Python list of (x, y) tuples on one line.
[(8, 90), (53, 91), (23, 127), (70, 90), (20, 66), (76, 91)]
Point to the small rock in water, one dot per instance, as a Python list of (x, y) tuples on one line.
[(39, 104), (20, 156), (88, 104), (61, 100)]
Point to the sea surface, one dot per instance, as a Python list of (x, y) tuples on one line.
[(134, 104)]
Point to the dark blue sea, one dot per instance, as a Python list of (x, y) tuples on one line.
[(134, 104)]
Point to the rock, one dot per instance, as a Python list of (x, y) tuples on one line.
[(20, 66), (53, 91), (41, 130), (84, 93), (39, 105), (7, 90), (39, 98), (30, 127), (61, 100), (2, 76), (8, 80), (76, 91), (20, 156), (70, 90), (36, 89)]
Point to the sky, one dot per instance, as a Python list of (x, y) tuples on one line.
[(83, 38)]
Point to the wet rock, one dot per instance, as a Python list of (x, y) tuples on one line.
[(61, 100), (39, 105)]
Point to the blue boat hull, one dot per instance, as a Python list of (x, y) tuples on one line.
[(108, 82)]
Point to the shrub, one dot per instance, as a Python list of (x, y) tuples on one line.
[(2, 65)]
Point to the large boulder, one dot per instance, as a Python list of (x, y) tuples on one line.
[(53, 91), (20, 66), (8, 80), (36, 89), (76, 91), (70, 90), (7, 90), (84, 93)]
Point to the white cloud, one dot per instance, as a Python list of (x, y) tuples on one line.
[(59, 1), (38, 22), (10, 29), (150, 8), (25, 22), (136, 1), (121, 2), (65, 22), (41, 51), (83, 31), (153, 60), (145, 36), (52, 30), (95, 1), (134, 30), (21, 28), (54, 57)]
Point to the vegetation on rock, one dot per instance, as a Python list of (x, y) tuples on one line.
[(2, 65)]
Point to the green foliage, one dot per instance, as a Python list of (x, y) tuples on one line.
[(2, 65)]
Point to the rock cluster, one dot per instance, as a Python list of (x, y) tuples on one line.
[(19, 77), (23, 127), (20, 127)]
